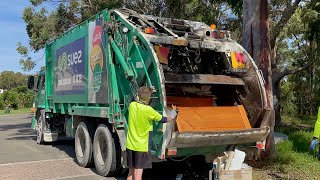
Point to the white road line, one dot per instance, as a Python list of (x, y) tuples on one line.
[(28, 162), (68, 177)]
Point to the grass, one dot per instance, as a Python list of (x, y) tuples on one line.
[(306, 121), (19, 111), (294, 160)]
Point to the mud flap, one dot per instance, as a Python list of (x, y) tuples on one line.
[(50, 136), (33, 123)]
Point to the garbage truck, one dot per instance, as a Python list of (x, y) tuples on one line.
[(93, 72)]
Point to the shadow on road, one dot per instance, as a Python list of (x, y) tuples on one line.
[(66, 145), (23, 131), (8, 127), (28, 117)]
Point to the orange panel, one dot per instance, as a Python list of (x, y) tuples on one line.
[(217, 118), (190, 101)]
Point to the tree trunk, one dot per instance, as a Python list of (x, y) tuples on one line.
[(256, 41), (277, 101)]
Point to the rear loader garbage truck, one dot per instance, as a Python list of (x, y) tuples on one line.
[(93, 72)]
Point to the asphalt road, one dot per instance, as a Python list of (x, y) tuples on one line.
[(22, 158)]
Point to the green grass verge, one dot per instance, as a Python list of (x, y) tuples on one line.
[(294, 159), (19, 111), (299, 121)]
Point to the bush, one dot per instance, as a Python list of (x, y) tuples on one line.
[(11, 98), (19, 97), (1, 103), (26, 96)]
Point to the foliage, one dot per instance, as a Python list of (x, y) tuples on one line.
[(288, 99), (294, 159), (16, 93), (296, 50), (10, 79), (306, 121), (10, 98), (2, 105), (19, 97)]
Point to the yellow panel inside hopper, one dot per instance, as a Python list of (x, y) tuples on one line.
[(214, 118)]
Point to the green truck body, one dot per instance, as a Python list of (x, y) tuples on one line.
[(93, 72)]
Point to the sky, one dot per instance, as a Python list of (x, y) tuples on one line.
[(12, 31)]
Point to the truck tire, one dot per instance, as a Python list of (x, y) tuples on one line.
[(83, 144), (104, 151), (41, 127)]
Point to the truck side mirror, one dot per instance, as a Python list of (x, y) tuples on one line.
[(30, 82)]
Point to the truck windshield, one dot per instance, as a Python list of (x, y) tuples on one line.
[(41, 82)]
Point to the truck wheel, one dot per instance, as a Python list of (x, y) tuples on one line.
[(83, 144), (104, 152), (40, 127)]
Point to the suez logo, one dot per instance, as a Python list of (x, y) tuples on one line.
[(70, 62), (74, 58), (69, 59)]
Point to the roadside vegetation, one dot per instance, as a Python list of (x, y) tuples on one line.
[(294, 159), (16, 94)]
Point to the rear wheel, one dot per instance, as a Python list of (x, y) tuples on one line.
[(104, 151), (83, 144)]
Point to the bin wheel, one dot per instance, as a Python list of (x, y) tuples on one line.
[(104, 151), (83, 144)]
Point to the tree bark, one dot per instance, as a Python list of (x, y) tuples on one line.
[(256, 41)]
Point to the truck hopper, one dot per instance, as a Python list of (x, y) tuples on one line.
[(200, 125)]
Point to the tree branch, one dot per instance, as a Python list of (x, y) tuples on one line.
[(288, 12), (277, 77)]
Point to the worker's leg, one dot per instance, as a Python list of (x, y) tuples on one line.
[(138, 174), (131, 164), (131, 174), (143, 161)]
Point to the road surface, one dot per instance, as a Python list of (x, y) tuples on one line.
[(22, 158)]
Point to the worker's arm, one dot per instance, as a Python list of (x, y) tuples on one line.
[(155, 116)]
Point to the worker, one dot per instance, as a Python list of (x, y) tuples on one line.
[(139, 135), (316, 134)]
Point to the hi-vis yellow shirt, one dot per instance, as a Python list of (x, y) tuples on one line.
[(139, 126), (316, 132)]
